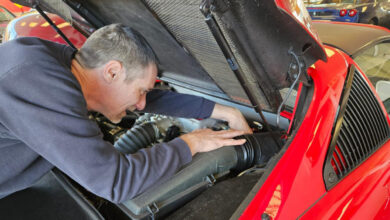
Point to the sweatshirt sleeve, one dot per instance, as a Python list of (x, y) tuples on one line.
[(49, 115), (178, 105)]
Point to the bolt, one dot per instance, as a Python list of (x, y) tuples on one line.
[(332, 177), (294, 66)]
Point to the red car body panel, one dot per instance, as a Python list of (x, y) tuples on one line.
[(296, 184), (12, 7), (34, 25), (363, 194)]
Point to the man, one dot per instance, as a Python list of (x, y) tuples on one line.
[(46, 91)]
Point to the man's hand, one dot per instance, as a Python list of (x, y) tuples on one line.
[(204, 140), (233, 116)]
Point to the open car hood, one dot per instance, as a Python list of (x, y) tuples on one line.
[(261, 36)]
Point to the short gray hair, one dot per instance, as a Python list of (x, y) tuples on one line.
[(117, 42)]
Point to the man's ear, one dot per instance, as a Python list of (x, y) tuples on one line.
[(112, 70)]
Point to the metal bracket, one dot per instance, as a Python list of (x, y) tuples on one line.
[(206, 6), (153, 210), (211, 179), (296, 77), (297, 64)]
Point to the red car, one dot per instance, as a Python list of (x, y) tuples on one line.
[(14, 8), (320, 147), (34, 25), (5, 17)]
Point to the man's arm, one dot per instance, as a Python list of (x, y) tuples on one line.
[(49, 115), (204, 140), (189, 106), (170, 103), (233, 116)]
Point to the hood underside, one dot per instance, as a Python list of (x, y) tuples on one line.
[(259, 34)]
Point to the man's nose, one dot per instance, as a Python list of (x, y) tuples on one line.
[(141, 103)]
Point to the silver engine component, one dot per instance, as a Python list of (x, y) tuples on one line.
[(151, 129)]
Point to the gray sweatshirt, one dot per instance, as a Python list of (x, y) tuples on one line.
[(44, 123)]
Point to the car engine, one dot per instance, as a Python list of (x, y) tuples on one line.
[(206, 169)]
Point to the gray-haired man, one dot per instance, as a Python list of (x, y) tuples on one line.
[(46, 91)]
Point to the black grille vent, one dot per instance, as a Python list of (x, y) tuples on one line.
[(363, 128)]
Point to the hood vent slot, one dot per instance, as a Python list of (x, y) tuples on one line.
[(364, 128)]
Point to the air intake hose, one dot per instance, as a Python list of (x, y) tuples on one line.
[(258, 149), (138, 137)]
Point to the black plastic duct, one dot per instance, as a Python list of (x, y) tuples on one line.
[(258, 149), (201, 173)]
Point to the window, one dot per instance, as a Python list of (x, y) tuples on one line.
[(375, 62)]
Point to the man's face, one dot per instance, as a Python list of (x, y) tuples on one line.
[(128, 95)]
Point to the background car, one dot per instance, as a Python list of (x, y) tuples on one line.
[(371, 51), (360, 11), (14, 8), (328, 159), (5, 17), (34, 25)]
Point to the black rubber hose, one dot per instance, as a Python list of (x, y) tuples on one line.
[(258, 149), (138, 137)]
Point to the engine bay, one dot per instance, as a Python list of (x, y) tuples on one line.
[(209, 177)]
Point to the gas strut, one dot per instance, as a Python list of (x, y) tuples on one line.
[(227, 52), (38, 8)]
